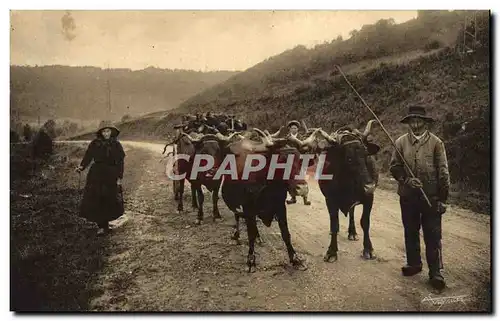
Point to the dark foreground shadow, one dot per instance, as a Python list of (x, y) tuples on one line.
[(55, 255)]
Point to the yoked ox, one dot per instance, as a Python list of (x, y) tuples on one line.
[(253, 164)]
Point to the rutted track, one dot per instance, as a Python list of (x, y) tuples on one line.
[(175, 265)]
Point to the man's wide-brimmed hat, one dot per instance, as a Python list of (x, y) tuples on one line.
[(114, 130), (416, 111), (293, 122)]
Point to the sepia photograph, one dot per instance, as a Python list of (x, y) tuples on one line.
[(250, 161)]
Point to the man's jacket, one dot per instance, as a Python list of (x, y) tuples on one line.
[(426, 157)]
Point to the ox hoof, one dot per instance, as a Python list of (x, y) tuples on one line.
[(330, 257), (368, 255), (217, 218), (298, 263), (252, 267), (352, 237), (259, 241), (198, 222)]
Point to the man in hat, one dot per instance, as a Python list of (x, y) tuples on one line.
[(293, 130), (425, 154)]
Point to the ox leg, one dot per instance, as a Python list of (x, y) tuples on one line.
[(194, 202), (201, 200), (215, 200), (180, 192), (352, 235), (236, 235), (333, 210), (365, 225), (258, 238), (252, 234), (295, 260)]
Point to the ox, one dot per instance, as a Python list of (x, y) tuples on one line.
[(354, 179), (191, 146), (262, 197)]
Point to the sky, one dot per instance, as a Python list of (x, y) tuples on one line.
[(196, 40)]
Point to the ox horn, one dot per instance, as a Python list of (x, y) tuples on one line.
[(329, 138), (227, 138), (267, 139), (209, 136), (191, 139), (368, 127), (278, 133), (308, 141)]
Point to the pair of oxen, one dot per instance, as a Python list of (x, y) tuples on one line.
[(347, 158)]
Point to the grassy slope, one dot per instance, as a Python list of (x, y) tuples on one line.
[(57, 261), (53, 254)]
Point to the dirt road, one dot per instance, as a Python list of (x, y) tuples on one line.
[(157, 259)]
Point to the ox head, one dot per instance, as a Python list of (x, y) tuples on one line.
[(261, 142), (348, 152), (208, 144)]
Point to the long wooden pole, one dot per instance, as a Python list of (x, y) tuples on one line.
[(387, 133)]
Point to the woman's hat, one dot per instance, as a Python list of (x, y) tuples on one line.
[(114, 131), (293, 122), (416, 111)]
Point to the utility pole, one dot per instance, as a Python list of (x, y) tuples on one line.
[(469, 38), (109, 91), (109, 96)]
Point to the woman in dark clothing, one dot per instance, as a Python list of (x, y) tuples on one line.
[(102, 198)]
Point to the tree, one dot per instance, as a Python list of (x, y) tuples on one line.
[(354, 33), (42, 145), (50, 128), (27, 132), (14, 136)]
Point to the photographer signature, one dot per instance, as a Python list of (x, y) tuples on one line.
[(440, 301)]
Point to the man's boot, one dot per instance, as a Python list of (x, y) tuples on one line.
[(410, 270), (293, 200), (306, 202), (437, 280)]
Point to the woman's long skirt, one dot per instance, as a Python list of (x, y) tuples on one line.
[(102, 198)]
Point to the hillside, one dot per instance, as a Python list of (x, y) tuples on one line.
[(391, 66), (81, 92), (283, 74)]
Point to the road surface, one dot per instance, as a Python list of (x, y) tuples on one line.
[(158, 259)]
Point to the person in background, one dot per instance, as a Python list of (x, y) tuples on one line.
[(293, 130), (103, 198), (425, 154)]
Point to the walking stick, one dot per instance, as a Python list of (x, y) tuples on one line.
[(388, 135)]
